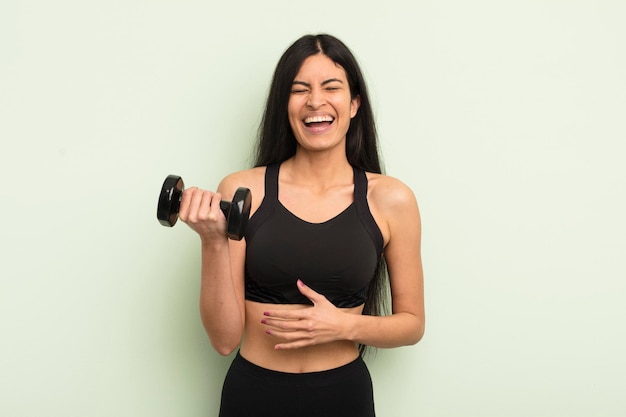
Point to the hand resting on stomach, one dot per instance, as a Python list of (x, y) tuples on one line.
[(258, 346)]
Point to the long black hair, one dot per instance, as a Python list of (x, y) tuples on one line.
[(277, 142)]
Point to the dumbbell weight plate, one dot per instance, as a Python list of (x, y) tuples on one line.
[(169, 200), (239, 213)]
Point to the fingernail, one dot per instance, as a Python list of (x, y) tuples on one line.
[(300, 283), (265, 313), (264, 321), (268, 332)]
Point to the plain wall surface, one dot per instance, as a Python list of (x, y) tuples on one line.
[(505, 117)]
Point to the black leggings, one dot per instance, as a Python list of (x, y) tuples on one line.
[(252, 391)]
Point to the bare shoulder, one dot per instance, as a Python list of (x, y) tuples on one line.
[(395, 210), (253, 178), (389, 194)]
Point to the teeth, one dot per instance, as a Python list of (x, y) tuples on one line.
[(318, 119)]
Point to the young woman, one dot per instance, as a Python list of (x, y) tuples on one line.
[(301, 294)]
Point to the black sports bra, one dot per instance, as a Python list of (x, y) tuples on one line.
[(336, 258)]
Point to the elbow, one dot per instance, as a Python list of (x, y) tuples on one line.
[(417, 334), (224, 349), (224, 343), (224, 340)]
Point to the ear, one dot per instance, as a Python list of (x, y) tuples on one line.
[(355, 103)]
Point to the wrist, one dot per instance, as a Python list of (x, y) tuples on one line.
[(213, 244), (350, 331)]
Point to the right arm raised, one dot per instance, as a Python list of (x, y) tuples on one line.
[(222, 305)]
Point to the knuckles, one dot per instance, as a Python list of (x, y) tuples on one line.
[(200, 210), (309, 326)]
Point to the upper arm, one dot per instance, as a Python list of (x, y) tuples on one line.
[(397, 210)]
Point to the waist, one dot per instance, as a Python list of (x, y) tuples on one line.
[(258, 347), (322, 377)]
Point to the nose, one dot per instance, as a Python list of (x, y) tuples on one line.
[(315, 98)]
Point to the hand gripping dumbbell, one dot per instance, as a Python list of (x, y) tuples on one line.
[(237, 211)]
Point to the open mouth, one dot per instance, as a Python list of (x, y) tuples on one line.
[(318, 121)]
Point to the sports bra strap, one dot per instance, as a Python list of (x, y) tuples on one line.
[(360, 186), (271, 182), (363, 209)]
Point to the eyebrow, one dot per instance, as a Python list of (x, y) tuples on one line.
[(330, 80)]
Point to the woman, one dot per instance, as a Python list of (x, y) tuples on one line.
[(299, 295)]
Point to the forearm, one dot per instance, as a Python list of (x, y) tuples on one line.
[(400, 329), (221, 310)]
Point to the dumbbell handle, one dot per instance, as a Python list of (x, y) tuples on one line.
[(224, 206)]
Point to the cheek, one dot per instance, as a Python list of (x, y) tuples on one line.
[(293, 108), (347, 105), (294, 119), (290, 108)]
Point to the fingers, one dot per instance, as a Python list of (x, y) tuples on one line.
[(292, 334), (195, 205), (200, 209), (289, 320), (305, 290)]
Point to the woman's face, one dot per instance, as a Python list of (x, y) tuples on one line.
[(320, 107)]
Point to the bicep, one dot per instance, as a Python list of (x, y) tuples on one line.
[(403, 253)]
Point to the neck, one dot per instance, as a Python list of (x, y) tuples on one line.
[(318, 171)]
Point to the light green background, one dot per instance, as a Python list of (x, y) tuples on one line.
[(507, 118)]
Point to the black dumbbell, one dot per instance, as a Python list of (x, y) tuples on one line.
[(237, 211)]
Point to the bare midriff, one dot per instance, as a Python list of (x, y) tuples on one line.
[(259, 348)]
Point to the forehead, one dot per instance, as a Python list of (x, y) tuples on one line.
[(320, 67)]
